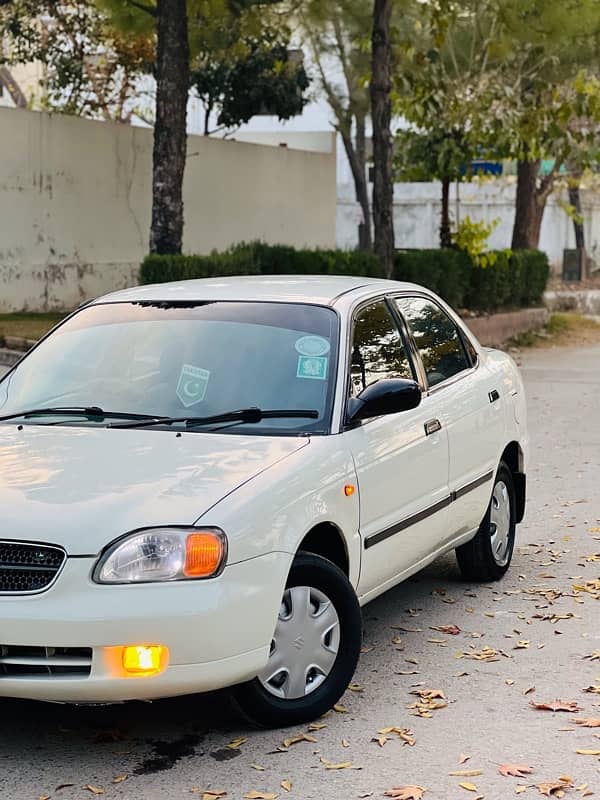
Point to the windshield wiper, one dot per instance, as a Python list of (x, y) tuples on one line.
[(93, 412), (244, 415)]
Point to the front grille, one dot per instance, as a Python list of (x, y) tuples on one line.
[(48, 662), (28, 567)]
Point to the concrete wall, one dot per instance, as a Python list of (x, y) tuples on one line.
[(75, 201), (417, 216)]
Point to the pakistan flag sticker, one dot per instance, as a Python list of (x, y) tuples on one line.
[(313, 367), (192, 385)]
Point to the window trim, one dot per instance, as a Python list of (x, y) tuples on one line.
[(462, 334), (415, 365)]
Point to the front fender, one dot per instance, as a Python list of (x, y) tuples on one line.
[(275, 510)]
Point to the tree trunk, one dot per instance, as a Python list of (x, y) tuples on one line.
[(12, 87), (170, 139), (529, 207), (357, 156), (445, 232), (381, 113), (575, 203)]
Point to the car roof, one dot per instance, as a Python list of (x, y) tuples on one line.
[(313, 289)]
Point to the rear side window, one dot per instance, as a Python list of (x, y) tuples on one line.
[(377, 349), (436, 336)]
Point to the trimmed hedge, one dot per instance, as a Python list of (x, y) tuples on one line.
[(515, 279)]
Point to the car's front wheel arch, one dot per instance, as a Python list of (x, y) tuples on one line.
[(315, 647)]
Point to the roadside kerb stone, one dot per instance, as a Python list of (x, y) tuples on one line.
[(495, 329), (9, 357)]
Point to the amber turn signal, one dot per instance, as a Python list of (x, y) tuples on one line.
[(203, 554), (142, 659), (349, 490)]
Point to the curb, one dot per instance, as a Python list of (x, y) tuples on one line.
[(9, 358), (495, 329)]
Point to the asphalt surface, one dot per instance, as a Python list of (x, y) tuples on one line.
[(179, 748)]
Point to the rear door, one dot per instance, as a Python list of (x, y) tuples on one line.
[(402, 467), (471, 411)]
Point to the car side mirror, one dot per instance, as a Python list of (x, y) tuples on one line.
[(387, 396)]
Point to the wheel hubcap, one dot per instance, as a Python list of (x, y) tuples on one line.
[(305, 644), (500, 524)]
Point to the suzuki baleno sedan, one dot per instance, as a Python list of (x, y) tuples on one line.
[(201, 483)]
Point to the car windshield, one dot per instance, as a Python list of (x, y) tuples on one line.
[(177, 360)]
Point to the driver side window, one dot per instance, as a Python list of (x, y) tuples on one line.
[(377, 349)]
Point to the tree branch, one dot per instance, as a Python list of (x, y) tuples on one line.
[(136, 4)]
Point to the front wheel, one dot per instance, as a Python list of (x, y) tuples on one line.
[(314, 651), (488, 555)]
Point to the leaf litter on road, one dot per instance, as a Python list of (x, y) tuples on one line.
[(515, 770), (406, 792), (569, 706)]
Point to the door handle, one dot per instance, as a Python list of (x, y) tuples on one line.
[(494, 395), (432, 426)]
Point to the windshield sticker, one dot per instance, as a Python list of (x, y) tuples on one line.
[(312, 346), (312, 367), (192, 385)]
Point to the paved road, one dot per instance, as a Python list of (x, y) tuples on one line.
[(172, 748)]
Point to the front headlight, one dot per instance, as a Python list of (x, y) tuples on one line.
[(163, 554)]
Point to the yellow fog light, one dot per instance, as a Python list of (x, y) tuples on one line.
[(145, 659)]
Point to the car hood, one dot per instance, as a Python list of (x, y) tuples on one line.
[(82, 487)]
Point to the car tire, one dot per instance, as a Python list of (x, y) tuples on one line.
[(319, 623), (487, 557)]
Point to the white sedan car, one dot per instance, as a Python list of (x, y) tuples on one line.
[(201, 483)]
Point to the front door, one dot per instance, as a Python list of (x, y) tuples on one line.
[(401, 460)]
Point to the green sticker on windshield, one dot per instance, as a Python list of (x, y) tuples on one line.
[(312, 367), (192, 385)]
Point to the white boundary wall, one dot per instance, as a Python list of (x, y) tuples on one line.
[(75, 202), (417, 209)]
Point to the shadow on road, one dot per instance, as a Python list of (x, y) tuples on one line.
[(153, 737)]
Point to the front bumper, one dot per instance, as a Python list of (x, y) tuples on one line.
[(218, 631)]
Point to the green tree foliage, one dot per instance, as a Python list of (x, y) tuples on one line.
[(517, 77), (90, 67), (258, 76)]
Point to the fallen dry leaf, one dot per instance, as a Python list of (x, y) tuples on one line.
[(463, 758), (356, 687), (451, 630), (514, 770), (588, 723), (557, 705), (340, 708), (595, 656), (406, 792), (286, 785), (588, 752), (235, 744), (486, 654), (302, 737), (94, 789), (342, 765), (317, 726), (260, 796), (253, 795), (213, 794), (257, 767), (466, 773), (593, 689), (555, 788), (468, 787), (119, 778), (403, 733)]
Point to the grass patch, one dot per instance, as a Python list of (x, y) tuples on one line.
[(27, 326), (561, 328)]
